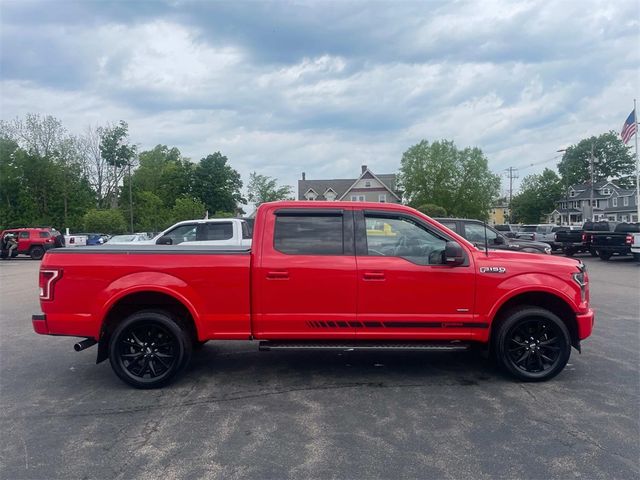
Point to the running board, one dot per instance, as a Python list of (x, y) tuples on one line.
[(350, 346)]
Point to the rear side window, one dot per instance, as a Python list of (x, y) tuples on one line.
[(219, 231), (309, 235), (44, 235)]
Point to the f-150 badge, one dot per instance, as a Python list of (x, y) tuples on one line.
[(493, 270)]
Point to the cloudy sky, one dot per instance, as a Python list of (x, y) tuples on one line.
[(323, 87)]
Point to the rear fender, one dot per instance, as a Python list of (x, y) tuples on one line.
[(149, 282)]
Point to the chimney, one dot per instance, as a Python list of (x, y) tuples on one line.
[(304, 176), (364, 168)]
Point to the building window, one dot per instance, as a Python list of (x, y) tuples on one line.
[(357, 198), (615, 201), (310, 195), (382, 197), (572, 193), (367, 183), (330, 195), (606, 191), (625, 218), (625, 201)]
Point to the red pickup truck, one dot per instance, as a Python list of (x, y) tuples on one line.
[(319, 275)]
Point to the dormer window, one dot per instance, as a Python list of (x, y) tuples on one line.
[(311, 194), (330, 195), (606, 191), (572, 193)]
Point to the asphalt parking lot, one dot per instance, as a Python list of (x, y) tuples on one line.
[(239, 413)]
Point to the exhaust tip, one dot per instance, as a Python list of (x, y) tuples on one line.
[(86, 343)]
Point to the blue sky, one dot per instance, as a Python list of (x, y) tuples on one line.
[(323, 87)]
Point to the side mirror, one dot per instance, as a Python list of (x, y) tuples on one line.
[(164, 240), (499, 240), (453, 254)]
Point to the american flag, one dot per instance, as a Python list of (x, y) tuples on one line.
[(630, 127)]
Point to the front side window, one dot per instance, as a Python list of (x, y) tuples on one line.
[(475, 233), (309, 235), (183, 233), (44, 235), (24, 235), (401, 237)]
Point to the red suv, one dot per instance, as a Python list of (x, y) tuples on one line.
[(32, 241)]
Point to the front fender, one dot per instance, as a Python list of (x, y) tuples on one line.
[(535, 282)]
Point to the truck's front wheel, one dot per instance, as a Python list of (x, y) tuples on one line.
[(148, 349), (533, 344)]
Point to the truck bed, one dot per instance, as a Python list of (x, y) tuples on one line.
[(212, 281)]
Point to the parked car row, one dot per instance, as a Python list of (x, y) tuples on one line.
[(602, 239)]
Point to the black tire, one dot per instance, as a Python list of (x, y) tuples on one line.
[(569, 252), (37, 253), (532, 344), (636, 257), (593, 252), (604, 255), (148, 349)]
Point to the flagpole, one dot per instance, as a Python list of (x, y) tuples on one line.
[(635, 119)]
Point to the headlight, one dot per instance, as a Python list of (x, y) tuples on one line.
[(580, 279)]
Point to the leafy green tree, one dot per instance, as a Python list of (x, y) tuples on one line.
[(104, 221), (263, 189), (187, 208), (612, 160), (432, 210), (537, 197), (118, 154), (458, 180), (149, 212), (217, 185)]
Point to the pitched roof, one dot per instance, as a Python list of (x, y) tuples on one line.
[(341, 185)]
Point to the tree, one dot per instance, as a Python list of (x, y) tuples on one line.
[(432, 210), (217, 185), (187, 208), (263, 189), (457, 180), (537, 196), (104, 221), (117, 153), (612, 160)]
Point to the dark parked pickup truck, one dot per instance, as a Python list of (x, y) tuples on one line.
[(579, 241), (617, 242), (318, 275), (474, 231)]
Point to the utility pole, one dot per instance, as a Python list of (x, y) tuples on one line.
[(591, 189), (513, 173)]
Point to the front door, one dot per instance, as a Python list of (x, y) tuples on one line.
[(305, 285), (404, 289)]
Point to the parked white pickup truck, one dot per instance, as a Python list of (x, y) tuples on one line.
[(635, 246), (214, 231)]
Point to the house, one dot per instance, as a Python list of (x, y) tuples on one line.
[(368, 187), (499, 213), (610, 202)]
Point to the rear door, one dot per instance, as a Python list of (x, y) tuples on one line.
[(404, 290), (306, 277)]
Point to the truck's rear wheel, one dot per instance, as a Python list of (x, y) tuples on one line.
[(37, 253), (148, 349), (604, 255), (533, 344)]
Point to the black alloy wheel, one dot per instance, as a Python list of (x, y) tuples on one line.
[(149, 349), (37, 253), (533, 344)]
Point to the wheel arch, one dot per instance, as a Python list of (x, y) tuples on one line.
[(541, 299), (132, 301)]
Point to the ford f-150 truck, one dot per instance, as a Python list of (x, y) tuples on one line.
[(319, 275)]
